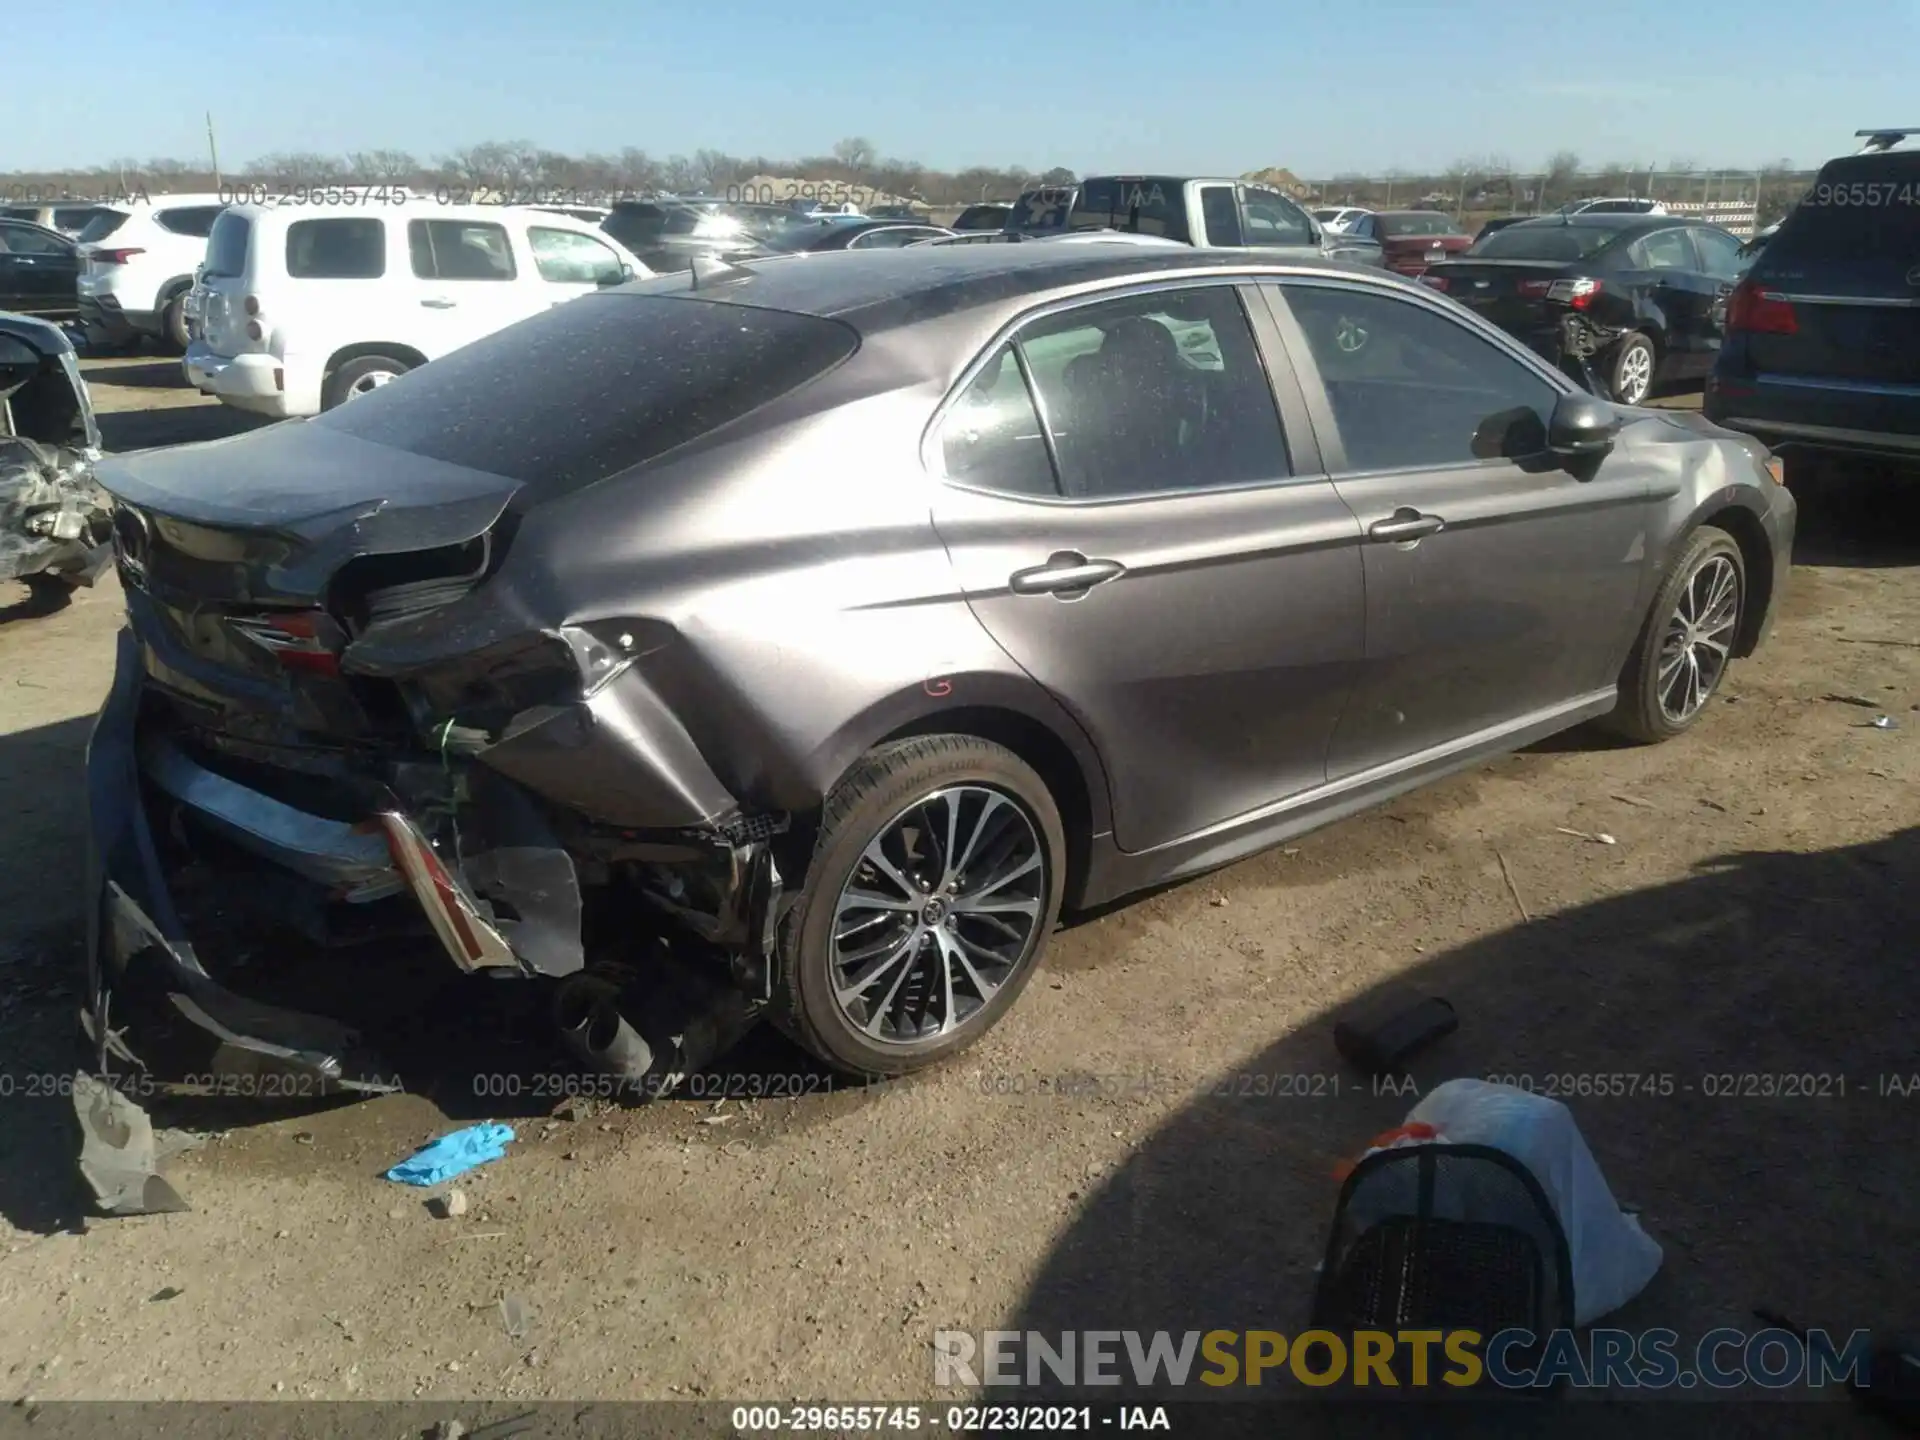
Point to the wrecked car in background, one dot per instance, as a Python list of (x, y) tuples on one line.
[(749, 626), (54, 520)]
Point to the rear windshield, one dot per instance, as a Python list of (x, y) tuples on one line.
[(74, 219), (1039, 212), (1149, 206), (102, 225), (1861, 217), (1433, 223), (227, 245), (1535, 241), (593, 387)]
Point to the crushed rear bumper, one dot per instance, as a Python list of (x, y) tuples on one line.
[(156, 989)]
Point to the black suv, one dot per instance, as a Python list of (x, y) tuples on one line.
[(1822, 352)]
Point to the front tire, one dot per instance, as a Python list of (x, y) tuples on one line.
[(1686, 643), (359, 377), (933, 889)]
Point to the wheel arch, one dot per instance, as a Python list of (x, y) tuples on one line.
[(1756, 559), (1051, 758)]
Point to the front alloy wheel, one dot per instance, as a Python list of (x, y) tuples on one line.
[(934, 884), (1686, 640), (1699, 639)]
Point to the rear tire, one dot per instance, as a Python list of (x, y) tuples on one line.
[(359, 376), (1630, 378), (173, 323), (968, 928), (1677, 663)]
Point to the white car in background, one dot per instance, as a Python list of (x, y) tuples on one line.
[(301, 307), (136, 266), (1339, 218)]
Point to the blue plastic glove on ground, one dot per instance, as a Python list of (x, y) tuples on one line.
[(453, 1155)]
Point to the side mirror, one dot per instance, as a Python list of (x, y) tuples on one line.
[(1582, 427), (616, 277)]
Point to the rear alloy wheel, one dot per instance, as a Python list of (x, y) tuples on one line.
[(1687, 642), (935, 884), (1633, 364), (360, 377)]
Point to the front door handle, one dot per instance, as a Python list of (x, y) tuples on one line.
[(1065, 571), (1405, 525), (439, 304)]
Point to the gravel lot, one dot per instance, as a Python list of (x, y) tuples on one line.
[(1756, 916)]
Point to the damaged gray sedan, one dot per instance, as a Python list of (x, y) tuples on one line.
[(54, 520), (819, 629)]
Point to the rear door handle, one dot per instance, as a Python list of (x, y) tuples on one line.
[(1065, 571), (1405, 525), (439, 304)]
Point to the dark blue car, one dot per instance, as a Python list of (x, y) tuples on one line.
[(1822, 347)]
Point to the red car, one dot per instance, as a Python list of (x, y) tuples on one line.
[(1411, 240)]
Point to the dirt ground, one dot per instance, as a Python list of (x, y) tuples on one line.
[(1755, 917)]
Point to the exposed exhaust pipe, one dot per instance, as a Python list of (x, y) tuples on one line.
[(671, 1021)]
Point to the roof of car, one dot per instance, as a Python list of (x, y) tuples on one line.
[(927, 281), (415, 208), (1610, 220)]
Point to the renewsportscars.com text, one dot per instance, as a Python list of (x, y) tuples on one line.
[(1775, 1359)]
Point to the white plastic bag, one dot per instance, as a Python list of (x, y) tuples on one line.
[(1613, 1258)]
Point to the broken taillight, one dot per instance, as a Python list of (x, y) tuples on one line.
[(1577, 293), (297, 640)]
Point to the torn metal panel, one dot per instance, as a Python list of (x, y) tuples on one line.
[(54, 518)]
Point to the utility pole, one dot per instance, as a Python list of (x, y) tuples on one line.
[(212, 152)]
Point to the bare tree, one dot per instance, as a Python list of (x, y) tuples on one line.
[(1563, 174), (678, 175), (391, 166), (298, 167), (856, 154)]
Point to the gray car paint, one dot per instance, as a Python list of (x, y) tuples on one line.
[(773, 599)]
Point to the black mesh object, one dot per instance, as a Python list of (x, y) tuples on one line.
[(1438, 1237)]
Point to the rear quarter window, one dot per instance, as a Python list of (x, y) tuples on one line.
[(227, 245), (102, 226), (338, 248), (191, 220), (587, 389)]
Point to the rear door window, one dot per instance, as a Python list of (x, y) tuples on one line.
[(337, 248), (460, 250), (191, 220), (1663, 250), (227, 245), (1153, 393), (1220, 213), (584, 390), (566, 257)]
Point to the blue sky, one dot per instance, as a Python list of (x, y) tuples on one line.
[(1198, 86)]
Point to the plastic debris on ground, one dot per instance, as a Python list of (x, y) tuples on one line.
[(119, 1158), (453, 1154)]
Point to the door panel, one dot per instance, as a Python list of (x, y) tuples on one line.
[(1666, 263), (1209, 637), (1516, 600)]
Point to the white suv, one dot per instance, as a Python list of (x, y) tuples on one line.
[(136, 266), (301, 307)]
